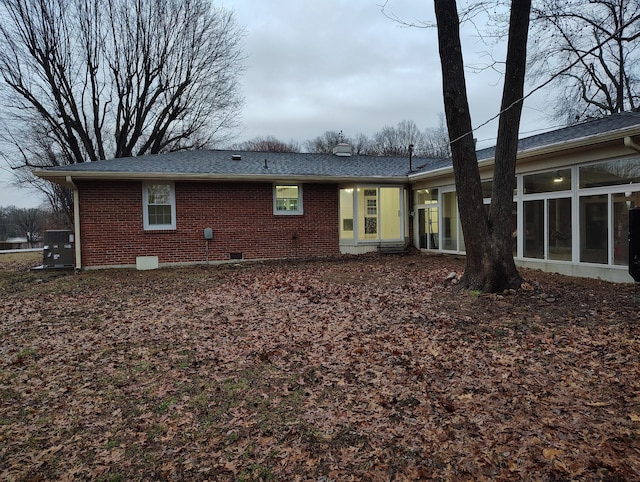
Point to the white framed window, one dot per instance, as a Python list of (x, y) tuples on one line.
[(287, 199), (158, 205), (371, 214)]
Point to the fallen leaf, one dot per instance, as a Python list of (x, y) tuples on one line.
[(550, 454)]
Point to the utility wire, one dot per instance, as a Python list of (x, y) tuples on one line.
[(552, 78)]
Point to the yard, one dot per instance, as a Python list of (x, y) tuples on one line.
[(364, 368)]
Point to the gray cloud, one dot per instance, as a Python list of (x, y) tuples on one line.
[(321, 65), (343, 65), (332, 65)]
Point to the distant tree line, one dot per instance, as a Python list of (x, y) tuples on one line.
[(28, 223), (388, 141)]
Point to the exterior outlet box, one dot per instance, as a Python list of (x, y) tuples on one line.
[(208, 234)]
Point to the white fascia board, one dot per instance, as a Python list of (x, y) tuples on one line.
[(61, 177), (441, 172), (580, 142), (541, 151)]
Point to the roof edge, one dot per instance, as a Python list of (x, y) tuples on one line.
[(64, 177), (601, 137), (534, 152)]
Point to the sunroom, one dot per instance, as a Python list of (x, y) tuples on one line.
[(571, 219), (372, 217)]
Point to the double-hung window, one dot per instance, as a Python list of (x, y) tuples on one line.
[(287, 199), (159, 205)]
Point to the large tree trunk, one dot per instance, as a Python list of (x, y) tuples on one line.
[(488, 240)]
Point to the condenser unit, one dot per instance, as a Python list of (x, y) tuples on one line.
[(58, 249)]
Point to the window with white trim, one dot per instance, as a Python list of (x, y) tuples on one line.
[(371, 213), (287, 199), (159, 205)]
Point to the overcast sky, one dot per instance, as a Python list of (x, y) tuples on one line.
[(320, 65)]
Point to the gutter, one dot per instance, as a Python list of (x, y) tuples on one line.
[(555, 148), (586, 141), (76, 222), (64, 177), (434, 174)]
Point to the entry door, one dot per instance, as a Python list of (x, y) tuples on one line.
[(428, 228), (371, 213)]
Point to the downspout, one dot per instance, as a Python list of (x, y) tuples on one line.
[(631, 144), (76, 222)]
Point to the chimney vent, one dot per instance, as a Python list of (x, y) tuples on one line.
[(342, 150)]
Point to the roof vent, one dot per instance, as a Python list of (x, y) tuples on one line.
[(236, 157), (342, 150)]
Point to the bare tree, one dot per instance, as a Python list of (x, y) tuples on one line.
[(28, 222), (389, 141), (267, 144), (591, 48), (436, 141), (488, 237), (39, 153), (361, 144), (395, 141), (92, 79), (325, 143), (5, 223)]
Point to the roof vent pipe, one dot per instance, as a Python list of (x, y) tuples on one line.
[(342, 150), (410, 157)]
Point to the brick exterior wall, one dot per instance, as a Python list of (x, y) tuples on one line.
[(240, 214)]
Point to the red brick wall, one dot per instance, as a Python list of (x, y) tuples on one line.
[(240, 214)]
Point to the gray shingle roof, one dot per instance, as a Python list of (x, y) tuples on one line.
[(219, 163), (250, 164), (573, 132)]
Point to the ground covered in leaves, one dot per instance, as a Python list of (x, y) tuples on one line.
[(364, 368)]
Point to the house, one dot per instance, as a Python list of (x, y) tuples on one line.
[(14, 243), (570, 208)]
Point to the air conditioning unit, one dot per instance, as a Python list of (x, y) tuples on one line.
[(58, 249)]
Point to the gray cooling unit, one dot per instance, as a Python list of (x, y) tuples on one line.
[(58, 249)]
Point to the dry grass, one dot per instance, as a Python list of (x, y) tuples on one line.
[(29, 258), (366, 368)]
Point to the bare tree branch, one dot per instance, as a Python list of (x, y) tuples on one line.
[(90, 79), (589, 50)]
